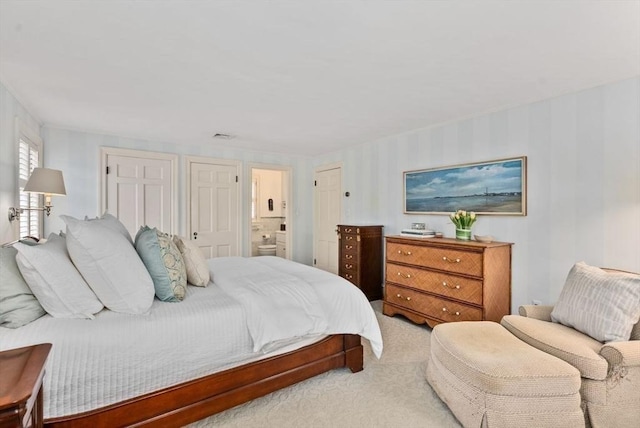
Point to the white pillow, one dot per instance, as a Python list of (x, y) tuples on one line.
[(604, 305), (107, 220), (194, 261), (110, 265), (54, 280)]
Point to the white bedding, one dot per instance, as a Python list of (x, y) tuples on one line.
[(114, 357)]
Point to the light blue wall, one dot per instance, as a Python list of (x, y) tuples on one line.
[(10, 108), (583, 153), (78, 155)]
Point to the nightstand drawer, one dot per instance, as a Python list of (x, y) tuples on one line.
[(431, 306), (447, 259), (456, 287)]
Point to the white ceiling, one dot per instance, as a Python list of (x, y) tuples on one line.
[(305, 77)]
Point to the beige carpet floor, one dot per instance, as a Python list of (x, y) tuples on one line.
[(389, 392)]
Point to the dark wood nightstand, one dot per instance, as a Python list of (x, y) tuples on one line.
[(21, 374)]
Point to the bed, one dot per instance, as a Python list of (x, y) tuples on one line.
[(212, 351)]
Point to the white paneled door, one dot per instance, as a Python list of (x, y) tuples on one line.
[(139, 190), (327, 190), (214, 208)]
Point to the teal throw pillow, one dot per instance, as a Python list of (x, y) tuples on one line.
[(164, 263)]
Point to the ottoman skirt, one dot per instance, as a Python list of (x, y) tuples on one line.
[(490, 378)]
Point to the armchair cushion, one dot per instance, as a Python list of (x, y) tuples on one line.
[(604, 305), (577, 349)]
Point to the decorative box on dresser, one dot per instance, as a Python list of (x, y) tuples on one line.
[(360, 257), (436, 280), (21, 375)]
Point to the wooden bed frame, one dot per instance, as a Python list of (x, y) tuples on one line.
[(194, 400)]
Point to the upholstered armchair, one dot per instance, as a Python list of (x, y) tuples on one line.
[(610, 371)]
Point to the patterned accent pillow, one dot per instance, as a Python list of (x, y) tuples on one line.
[(197, 268), (164, 263), (604, 305)]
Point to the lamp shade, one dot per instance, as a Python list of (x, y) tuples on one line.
[(45, 180)]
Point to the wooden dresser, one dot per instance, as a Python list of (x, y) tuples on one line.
[(360, 257), (436, 280)]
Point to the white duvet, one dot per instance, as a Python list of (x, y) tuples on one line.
[(94, 363)]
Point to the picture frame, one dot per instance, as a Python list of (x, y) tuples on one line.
[(497, 187)]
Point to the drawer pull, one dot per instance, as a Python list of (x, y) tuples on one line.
[(404, 253), (348, 257), (348, 266), (349, 238), (399, 296), (404, 275), (447, 259), (456, 287), (348, 276), (348, 230), (456, 313), (349, 247)]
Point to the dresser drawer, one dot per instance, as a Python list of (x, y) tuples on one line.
[(348, 267), (349, 256), (350, 276), (350, 238), (348, 248), (451, 260), (349, 229), (456, 287), (431, 306)]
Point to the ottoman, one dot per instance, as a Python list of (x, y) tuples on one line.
[(490, 378)]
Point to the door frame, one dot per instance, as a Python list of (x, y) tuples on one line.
[(318, 169), (188, 160), (105, 152), (288, 198)]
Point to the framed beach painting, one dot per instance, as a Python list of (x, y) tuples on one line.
[(495, 187)]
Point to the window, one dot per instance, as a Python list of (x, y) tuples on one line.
[(29, 157)]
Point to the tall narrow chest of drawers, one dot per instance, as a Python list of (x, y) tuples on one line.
[(436, 280), (360, 258)]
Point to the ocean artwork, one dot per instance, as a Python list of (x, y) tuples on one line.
[(495, 187)]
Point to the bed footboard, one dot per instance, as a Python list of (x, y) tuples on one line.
[(194, 400)]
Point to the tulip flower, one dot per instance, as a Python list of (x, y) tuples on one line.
[(463, 219)]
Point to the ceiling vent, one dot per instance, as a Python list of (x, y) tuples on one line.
[(221, 136)]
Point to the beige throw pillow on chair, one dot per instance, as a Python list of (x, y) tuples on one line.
[(604, 305)]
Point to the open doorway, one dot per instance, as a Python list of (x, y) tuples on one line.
[(269, 210)]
